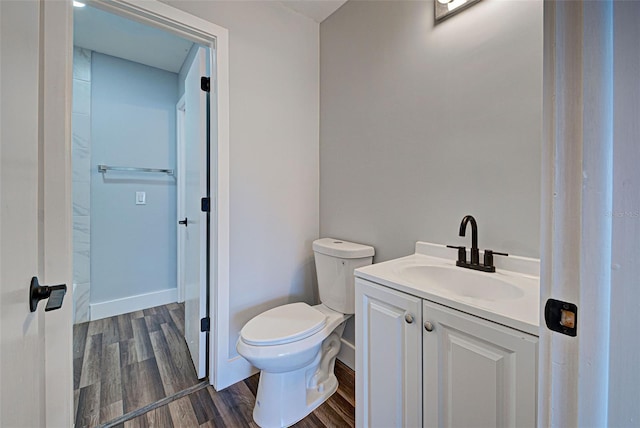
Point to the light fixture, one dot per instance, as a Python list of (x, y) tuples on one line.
[(76, 3), (445, 8)]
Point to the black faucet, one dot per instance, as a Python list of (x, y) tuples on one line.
[(475, 252)]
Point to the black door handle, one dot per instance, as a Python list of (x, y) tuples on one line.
[(37, 292), (185, 222)]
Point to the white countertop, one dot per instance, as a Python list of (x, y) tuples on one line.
[(521, 313)]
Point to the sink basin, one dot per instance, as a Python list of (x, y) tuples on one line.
[(461, 282)]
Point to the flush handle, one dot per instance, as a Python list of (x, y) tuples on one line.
[(428, 326), (408, 318)]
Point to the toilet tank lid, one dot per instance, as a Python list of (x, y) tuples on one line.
[(342, 249)]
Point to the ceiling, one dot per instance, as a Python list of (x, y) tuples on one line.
[(113, 35), (318, 10)]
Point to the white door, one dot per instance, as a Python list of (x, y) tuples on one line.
[(195, 232), (477, 373), (35, 374), (180, 208), (388, 363)]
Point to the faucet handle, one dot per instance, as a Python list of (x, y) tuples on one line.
[(488, 256), (462, 253)]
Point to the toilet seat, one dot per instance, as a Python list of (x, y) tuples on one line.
[(283, 324)]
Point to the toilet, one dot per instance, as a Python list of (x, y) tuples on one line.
[(295, 345)]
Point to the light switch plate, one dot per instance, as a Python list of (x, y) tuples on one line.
[(141, 198)]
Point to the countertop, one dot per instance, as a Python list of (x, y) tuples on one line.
[(521, 312)]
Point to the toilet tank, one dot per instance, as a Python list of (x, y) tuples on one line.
[(335, 261)]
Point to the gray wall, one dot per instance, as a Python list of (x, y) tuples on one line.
[(133, 247), (422, 124), (624, 349), (273, 153)]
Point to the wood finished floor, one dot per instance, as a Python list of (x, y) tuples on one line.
[(125, 362), (233, 407)]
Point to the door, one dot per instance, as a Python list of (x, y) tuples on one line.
[(388, 363), (22, 351), (476, 373), (180, 208), (35, 374), (195, 229)]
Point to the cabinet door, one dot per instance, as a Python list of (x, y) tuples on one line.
[(476, 373), (388, 363)]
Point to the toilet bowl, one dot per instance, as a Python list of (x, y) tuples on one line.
[(295, 345), (296, 374)]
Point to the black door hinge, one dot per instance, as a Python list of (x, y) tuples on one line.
[(205, 205), (205, 324), (205, 83)]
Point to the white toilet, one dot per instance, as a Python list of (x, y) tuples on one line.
[(295, 345)]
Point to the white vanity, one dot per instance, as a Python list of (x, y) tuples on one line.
[(442, 346)]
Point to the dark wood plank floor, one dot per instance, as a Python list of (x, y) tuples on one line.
[(233, 407), (126, 362)]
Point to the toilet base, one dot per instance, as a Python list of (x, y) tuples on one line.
[(285, 398)]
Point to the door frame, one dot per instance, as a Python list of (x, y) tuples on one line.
[(183, 24), (56, 54)]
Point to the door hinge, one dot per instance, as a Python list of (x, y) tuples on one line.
[(205, 324), (205, 205), (205, 83)]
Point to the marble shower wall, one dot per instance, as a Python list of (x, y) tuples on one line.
[(81, 159)]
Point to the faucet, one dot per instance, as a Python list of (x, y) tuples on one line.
[(475, 252)]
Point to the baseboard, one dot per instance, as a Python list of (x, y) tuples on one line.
[(347, 354), (125, 305)]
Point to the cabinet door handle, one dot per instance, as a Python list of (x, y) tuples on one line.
[(408, 318), (428, 326)]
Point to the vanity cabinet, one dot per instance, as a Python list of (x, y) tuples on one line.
[(388, 357), (420, 363), (476, 373)]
